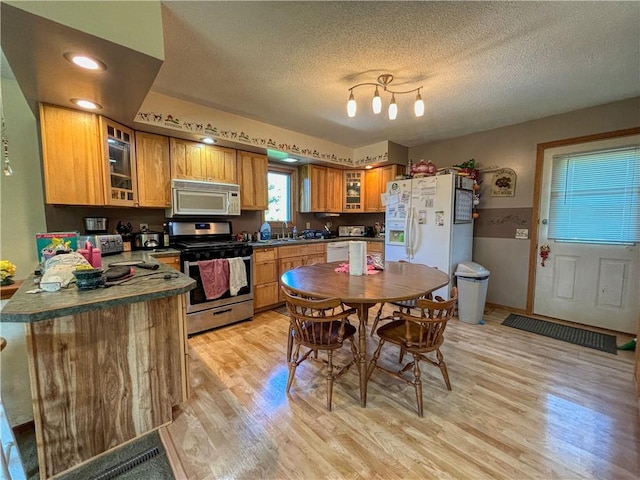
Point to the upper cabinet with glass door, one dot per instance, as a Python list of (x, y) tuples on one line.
[(353, 191), (120, 169)]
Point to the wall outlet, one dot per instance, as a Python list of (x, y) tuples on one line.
[(308, 225), (522, 233), (144, 226)]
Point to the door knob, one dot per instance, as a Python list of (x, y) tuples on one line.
[(545, 221)]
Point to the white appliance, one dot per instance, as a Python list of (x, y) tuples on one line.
[(429, 221), (195, 198), (338, 252)]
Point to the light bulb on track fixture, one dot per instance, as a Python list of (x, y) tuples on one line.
[(351, 106), (376, 104), (418, 107), (393, 108), (383, 82)]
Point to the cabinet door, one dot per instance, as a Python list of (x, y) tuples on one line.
[(266, 295), (313, 259), (173, 262), (252, 177), (353, 191), (372, 190), (187, 160), (220, 164), (72, 156), (153, 169), (265, 272), (334, 190), (318, 185), (121, 184), (286, 264)]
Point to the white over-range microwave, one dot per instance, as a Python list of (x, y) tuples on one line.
[(196, 198)]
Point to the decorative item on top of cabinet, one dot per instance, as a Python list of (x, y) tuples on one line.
[(265, 274), (253, 169), (119, 164), (320, 189), (197, 161), (72, 156), (375, 183), (353, 189), (153, 170)]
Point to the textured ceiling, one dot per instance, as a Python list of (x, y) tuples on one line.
[(482, 64), (290, 64)]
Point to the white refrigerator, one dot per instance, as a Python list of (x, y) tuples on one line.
[(429, 220)]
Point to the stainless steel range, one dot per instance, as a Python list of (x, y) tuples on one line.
[(201, 243)]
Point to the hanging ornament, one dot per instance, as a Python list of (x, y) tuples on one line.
[(544, 253), (6, 169)]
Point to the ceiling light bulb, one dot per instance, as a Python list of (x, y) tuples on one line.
[(377, 102), (351, 106), (418, 107), (83, 61), (290, 160), (393, 108), (86, 104)]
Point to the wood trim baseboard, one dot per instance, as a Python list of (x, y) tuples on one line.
[(172, 455)]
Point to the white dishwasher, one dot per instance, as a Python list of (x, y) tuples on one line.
[(338, 251)]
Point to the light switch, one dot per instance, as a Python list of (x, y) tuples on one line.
[(308, 225), (522, 233)]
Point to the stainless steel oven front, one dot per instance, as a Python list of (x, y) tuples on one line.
[(203, 313)]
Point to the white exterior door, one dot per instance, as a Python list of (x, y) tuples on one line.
[(592, 284)]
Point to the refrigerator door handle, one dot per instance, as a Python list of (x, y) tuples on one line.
[(415, 233), (407, 235)]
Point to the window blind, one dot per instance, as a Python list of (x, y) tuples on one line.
[(595, 197)]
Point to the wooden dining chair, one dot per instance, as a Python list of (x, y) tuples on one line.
[(418, 336), (404, 306), (319, 325)]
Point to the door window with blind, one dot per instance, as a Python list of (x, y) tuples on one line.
[(595, 197)]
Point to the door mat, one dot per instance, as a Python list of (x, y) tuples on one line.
[(578, 336)]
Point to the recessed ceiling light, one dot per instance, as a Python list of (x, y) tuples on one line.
[(84, 61), (290, 160), (368, 167), (86, 104), (208, 140)]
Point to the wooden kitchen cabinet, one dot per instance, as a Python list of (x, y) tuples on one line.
[(252, 176), (265, 274), (375, 183), (153, 170), (72, 156), (197, 161), (376, 247), (172, 261), (320, 189), (294, 256), (220, 164), (334, 190), (353, 191), (119, 162)]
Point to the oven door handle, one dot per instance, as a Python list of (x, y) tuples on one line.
[(187, 264)]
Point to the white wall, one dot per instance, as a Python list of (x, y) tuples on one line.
[(515, 147), (21, 217)]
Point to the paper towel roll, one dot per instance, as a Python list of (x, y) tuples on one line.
[(357, 258)]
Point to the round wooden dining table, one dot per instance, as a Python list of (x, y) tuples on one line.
[(398, 281)]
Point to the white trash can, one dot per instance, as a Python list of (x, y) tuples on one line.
[(472, 280)]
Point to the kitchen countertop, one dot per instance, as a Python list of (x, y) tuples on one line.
[(280, 243), (144, 285)]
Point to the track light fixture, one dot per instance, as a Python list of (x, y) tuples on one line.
[(383, 82)]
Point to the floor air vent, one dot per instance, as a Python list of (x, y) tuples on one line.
[(128, 465)]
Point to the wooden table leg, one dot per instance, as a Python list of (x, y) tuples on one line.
[(363, 316)]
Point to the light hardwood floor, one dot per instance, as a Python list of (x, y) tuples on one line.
[(522, 406)]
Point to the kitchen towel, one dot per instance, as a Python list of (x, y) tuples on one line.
[(357, 258), (237, 275), (215, 277)]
